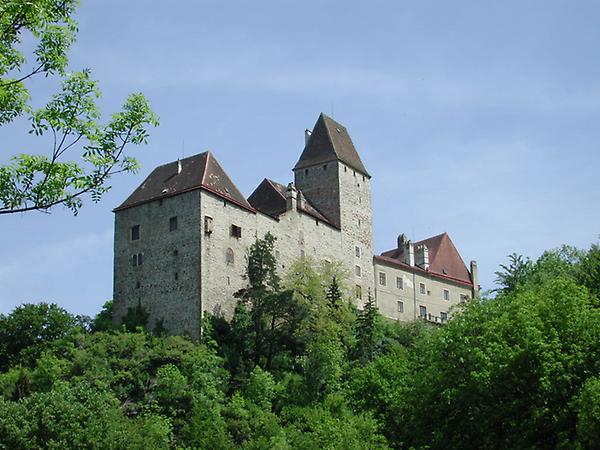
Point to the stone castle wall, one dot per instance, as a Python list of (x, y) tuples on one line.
[(167, 281)]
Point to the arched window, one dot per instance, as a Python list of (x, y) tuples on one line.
[(229, 258)]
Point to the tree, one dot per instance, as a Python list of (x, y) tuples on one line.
[(515, 274), (29, 330), (71, 118), (262, 295), (366, 331)]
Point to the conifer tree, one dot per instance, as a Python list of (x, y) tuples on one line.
[(366, 330)]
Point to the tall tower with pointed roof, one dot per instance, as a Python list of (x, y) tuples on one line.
[(334, 179)]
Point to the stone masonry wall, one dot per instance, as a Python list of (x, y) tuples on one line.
[(296, 232), (167, 296)]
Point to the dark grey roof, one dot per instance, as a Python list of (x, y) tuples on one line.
[(200, 171), (269, 198), (330, 141)]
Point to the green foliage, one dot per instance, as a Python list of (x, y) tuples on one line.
[(77, 416), (136, 317), (588, 419), (367, 331), (103, 320), (514, 274), (506, 373), (589, 272), (71, 118), (31, 329), (518, 371)]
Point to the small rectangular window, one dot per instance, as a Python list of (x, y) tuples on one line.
[(236, 231), (444, 316), (357, 251), (400, 307), (422, 311), (357, 271), (139, 259), (208, 224), (173, 223), (135, 232), (399, 283), (382, 278), (358, 292), (422, 288), (176, 276), (446, 294), (134, 260)]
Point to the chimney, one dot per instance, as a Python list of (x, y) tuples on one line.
[(422, 257), (402, 239), (407, 250), (178, 166), (475, 279), (307, 134), (291, 197)]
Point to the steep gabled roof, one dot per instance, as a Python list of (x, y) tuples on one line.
[(444, 258), (330, 141), (269, 198), (200, 171)]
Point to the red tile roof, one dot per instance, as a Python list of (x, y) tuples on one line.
[(269, 198), (330, 141), (444, 259), (200, 171)]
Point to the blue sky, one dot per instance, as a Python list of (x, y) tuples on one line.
[(476, 118)]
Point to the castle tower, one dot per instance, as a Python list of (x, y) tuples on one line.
[(333, 178)]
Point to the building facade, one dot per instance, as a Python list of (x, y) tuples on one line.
[(182, 235)]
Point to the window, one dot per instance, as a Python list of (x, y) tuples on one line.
[(422, 311), (399, 283), (444, 316), (357, 270), (305, 171), (208, 224), (357, 251), (229, 257), (358, 292), (422, 288), (136, 260), (382, 278), (236, 231), (173, 223), (176, 276), (325, 167), (446, 295), (175, 252), (464, 298), (137, 284), (135, 232), (400, 307), (302, 254)]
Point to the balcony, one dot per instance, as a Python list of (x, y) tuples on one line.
[(434, 319)]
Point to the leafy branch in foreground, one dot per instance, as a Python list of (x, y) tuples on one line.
[(71, 118)]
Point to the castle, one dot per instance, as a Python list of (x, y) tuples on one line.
[(181, 238)]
